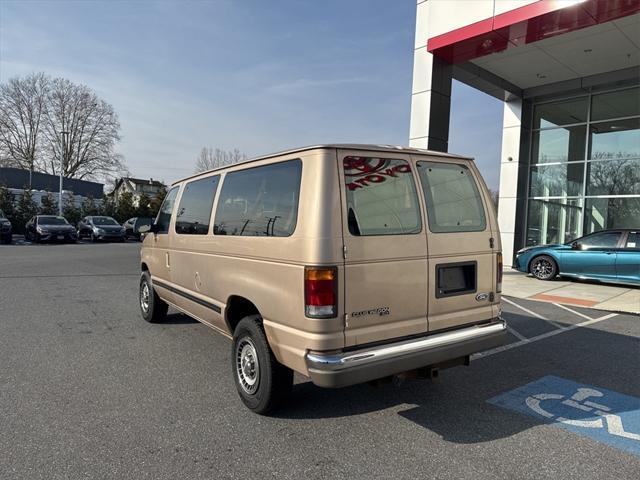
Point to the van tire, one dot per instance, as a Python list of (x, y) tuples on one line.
[(264, 388), (152, 308), (543, 267)]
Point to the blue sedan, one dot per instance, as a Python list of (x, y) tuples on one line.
[(607, 256)]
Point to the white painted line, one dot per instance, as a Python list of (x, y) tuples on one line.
[(540, 337), (517, 334), (532, 313), (573, 311)]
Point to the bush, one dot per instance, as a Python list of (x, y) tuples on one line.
[(25, 209), (49, 206)]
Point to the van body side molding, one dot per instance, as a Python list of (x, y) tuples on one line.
[(188, 296)]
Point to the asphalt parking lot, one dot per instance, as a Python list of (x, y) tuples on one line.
[(89, 390)]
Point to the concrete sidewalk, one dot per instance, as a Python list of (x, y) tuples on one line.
[(611, 297)]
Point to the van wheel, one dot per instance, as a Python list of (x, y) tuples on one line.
[(262, 382), (152, 307), (543, 267)]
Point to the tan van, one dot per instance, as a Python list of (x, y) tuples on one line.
[(344, 263)]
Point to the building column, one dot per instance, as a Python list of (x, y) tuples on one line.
[(510, 168), (431, 91)]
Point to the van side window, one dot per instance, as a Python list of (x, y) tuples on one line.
[(453, 200), (381, 197), (196, 202), (260, 201), (164, 214)]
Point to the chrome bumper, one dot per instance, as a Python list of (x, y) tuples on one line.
[(349, 368)]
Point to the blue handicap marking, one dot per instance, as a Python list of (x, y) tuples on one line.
[(597, 413)]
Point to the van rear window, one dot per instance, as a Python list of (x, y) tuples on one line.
[(260, 201), (381, 197), (453, 200)]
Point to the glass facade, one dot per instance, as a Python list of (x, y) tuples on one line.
[(584, 172)]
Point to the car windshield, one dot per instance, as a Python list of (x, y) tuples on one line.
[(52, 221), (104, 221)]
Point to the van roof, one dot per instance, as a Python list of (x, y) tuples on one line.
[(345, 146)]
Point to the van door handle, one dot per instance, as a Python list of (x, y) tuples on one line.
[(167, 259)]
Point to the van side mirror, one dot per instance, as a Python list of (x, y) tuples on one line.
[(153, 228)]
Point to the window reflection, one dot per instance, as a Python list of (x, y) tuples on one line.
[(623, 103), (557, 180), (603, 213), (559, 145), (614, 177), (564, 112), (620, 139), (553, 221)]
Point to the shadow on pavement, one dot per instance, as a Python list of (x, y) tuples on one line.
[(455, 405)]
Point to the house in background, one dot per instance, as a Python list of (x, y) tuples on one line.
[(136, 186)]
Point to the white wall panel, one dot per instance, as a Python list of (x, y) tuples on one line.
[(447, 15), (420, 107), (503, 6)]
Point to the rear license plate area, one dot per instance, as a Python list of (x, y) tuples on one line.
[(456, 279)]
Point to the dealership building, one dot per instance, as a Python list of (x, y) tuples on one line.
[(568, 72)]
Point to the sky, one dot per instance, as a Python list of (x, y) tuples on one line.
[(254, 75)]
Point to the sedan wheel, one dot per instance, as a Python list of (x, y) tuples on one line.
[(543, 268)]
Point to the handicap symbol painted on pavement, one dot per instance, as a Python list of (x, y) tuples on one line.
[(597, 413)]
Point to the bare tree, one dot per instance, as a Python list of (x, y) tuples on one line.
[(210, 158), (35, 110), (22, 109), (88, 150)]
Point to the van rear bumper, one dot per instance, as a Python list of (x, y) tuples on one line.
[(350, 368)]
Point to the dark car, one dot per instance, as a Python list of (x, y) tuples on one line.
[(608, 256), (5, 229), (132, 226), (49, 228), (100, 228)]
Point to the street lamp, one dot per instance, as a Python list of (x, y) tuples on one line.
[(65, 139)]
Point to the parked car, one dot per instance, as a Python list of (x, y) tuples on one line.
[(608, 256), (5, 229), (49, 228), (345, 263), (132, 226), (100, 228)]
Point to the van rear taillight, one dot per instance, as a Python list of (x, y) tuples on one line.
[(320, 292), (499, 267)]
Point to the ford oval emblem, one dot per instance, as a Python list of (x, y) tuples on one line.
[(481, 297)]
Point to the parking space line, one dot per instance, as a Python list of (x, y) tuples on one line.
[(531, 312), (573, 311), (541, 337), (517, 334)]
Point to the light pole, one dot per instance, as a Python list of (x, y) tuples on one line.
[(65, 138)]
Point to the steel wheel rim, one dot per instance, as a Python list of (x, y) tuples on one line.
[(542, 268), (144, 297), (247, 365)]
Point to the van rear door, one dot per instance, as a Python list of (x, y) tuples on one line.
[(462, 240), (385, 274)]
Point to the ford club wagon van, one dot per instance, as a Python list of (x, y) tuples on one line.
[(344, 263)]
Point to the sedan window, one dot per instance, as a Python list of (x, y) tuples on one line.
[(633, 240), (52, 221), (601, 240)]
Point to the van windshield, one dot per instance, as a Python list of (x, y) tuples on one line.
[(453, 200)]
